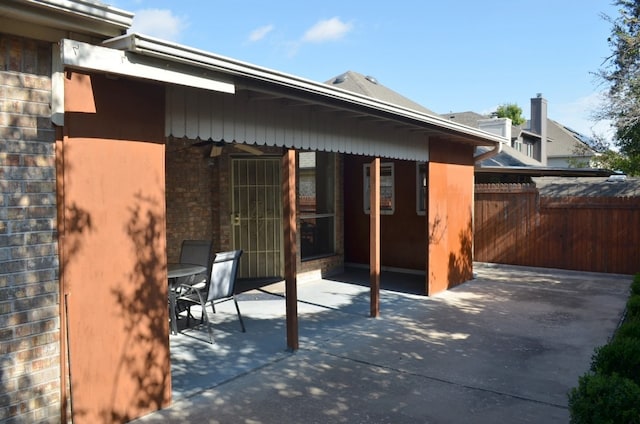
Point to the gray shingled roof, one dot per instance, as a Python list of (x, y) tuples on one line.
[(507, 157), (465, 118), (587, 187), (563, 140), (369, 86)]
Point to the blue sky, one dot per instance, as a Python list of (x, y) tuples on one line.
[(466, 55)]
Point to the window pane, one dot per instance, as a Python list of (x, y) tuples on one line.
[(387, 202), (421, 187), (316, 236), (316, 199)]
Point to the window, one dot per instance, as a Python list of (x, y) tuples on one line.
[(421, 188), (387, 195), (530, 150), (316, 196), (517, 144)]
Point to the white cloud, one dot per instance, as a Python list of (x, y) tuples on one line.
[(259, 33), (327, 30), (160, 23), (578, 115)]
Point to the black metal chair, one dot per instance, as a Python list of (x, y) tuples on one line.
[(220, 288), (197, 252)]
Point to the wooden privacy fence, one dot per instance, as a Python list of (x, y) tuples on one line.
[(515, 225)]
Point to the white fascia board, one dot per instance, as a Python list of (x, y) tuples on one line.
[(82, 16), (172, 52), (90, 9), (84, 56)]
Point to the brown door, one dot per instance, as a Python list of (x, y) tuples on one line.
[(257, 216)]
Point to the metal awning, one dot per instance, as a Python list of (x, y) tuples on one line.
[(217, 98)]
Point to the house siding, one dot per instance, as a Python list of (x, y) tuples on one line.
[(29, 288), (402, 240)]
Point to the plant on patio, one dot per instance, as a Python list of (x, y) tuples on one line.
[(605, 399)]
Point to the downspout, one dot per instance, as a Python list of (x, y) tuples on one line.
[(491, 153)]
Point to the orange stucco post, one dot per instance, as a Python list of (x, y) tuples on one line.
[(374, 236), (450, 216), (112, 241), (290, 246)]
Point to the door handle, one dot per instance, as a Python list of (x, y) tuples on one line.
[(236, 219)]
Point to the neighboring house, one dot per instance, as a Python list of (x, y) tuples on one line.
[(117, 147), (564, 147), (568, 148)]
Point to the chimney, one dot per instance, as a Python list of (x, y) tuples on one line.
[(539, 125)]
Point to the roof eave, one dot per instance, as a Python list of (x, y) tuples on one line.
[(172, 52), (82, 16)]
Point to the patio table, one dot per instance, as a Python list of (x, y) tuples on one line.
[(175, 271)]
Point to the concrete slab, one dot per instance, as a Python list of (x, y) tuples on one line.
[(504, 347)]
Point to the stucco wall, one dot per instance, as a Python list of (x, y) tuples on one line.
[(450, 231), (29, 300), (113, 247)]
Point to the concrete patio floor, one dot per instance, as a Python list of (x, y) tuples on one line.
[(506, 346)]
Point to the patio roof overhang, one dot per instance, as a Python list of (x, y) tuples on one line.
[(365, 125)]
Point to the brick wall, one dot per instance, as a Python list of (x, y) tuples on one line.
[(191, 182), (29, 301)]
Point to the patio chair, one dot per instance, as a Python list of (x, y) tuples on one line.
[(197, 252), (220, 288)]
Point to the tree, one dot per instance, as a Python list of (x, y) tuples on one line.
[(511, 111), (616, 161), (621, 75)]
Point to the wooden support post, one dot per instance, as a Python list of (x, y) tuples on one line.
[(374, 236), (290, 246)]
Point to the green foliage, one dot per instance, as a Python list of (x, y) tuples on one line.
[(635, 285), (610, 393), (621, 75), (629, 329), (616, 161), (621, 356), (511, 111), (633, 308), (605, 399)]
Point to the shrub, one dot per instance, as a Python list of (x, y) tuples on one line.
[(604, 399), (621, 356), (635, 285), (633, 307), (629, 329)]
